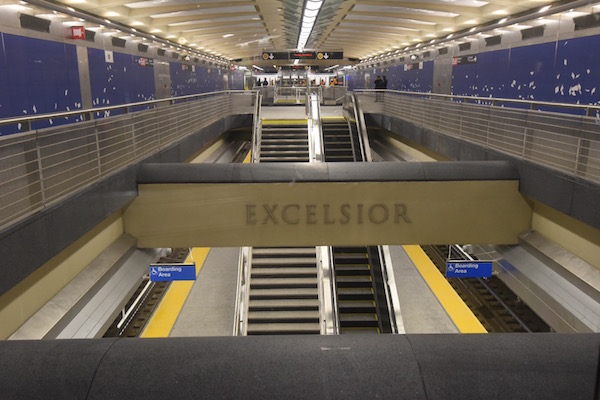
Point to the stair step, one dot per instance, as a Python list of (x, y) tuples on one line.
[(285, 262), (274, 283), (297, 272), (283, 316), (282, 251), (283, 304), (301, 293), (284, 328)]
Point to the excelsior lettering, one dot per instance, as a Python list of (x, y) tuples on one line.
[(313, 214)]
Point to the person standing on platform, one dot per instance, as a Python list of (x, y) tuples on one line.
[(378, 86)]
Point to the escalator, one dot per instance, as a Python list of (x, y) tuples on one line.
[(359, 283)]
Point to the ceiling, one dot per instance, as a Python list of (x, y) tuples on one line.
[(240, 30)]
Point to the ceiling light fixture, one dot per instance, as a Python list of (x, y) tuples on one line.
[(309, 16), (544, 9)]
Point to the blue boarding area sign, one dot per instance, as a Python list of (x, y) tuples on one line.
[(468, 269), (172, 272)]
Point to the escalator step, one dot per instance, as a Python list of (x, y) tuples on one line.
[(349, 249), (359, 331), (357, 307), (355, 294), (353, 281), (352, 270), (358, 319)]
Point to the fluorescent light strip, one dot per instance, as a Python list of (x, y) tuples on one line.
[(309, 17)]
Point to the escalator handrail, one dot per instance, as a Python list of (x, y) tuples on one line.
[(393, 303), (362, 129), (257, 128), (316, 139)]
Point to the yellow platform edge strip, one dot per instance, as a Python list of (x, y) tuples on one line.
[(461, 315), (162, 320)]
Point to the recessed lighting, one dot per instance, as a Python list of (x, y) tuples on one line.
[(545, 8), (500, 12), (503, 20), (111, 14), (228, 35)]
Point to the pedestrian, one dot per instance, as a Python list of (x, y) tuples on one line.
[(378, 86)]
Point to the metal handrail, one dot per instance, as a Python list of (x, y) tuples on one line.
[(240, 323), (391, 296), (334, 302), (315, 129), (362, 130), (41, 167), (560, 141), (257, 127), (532, 105), (90, 112)]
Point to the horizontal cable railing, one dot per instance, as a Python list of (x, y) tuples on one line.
[(40, 167), (559, 139)]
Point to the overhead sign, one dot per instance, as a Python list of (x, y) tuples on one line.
[(172, 272), (468, 269), (276, 55), (302, 55), (464, 60), (316, 55)]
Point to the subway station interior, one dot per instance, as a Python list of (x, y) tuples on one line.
[(299, 199)]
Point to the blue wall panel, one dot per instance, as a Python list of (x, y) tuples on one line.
[(187, 79), (577, 71), (120, 82), (413, 80), (531, 72), (38, 77)]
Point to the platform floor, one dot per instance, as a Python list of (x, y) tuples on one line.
[(298, 112), (210, 307)]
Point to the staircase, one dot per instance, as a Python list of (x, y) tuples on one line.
[(284, 143), (283, 292)]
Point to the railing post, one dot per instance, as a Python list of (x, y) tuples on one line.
[(582, 157), (98, 160), (40, 170)]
